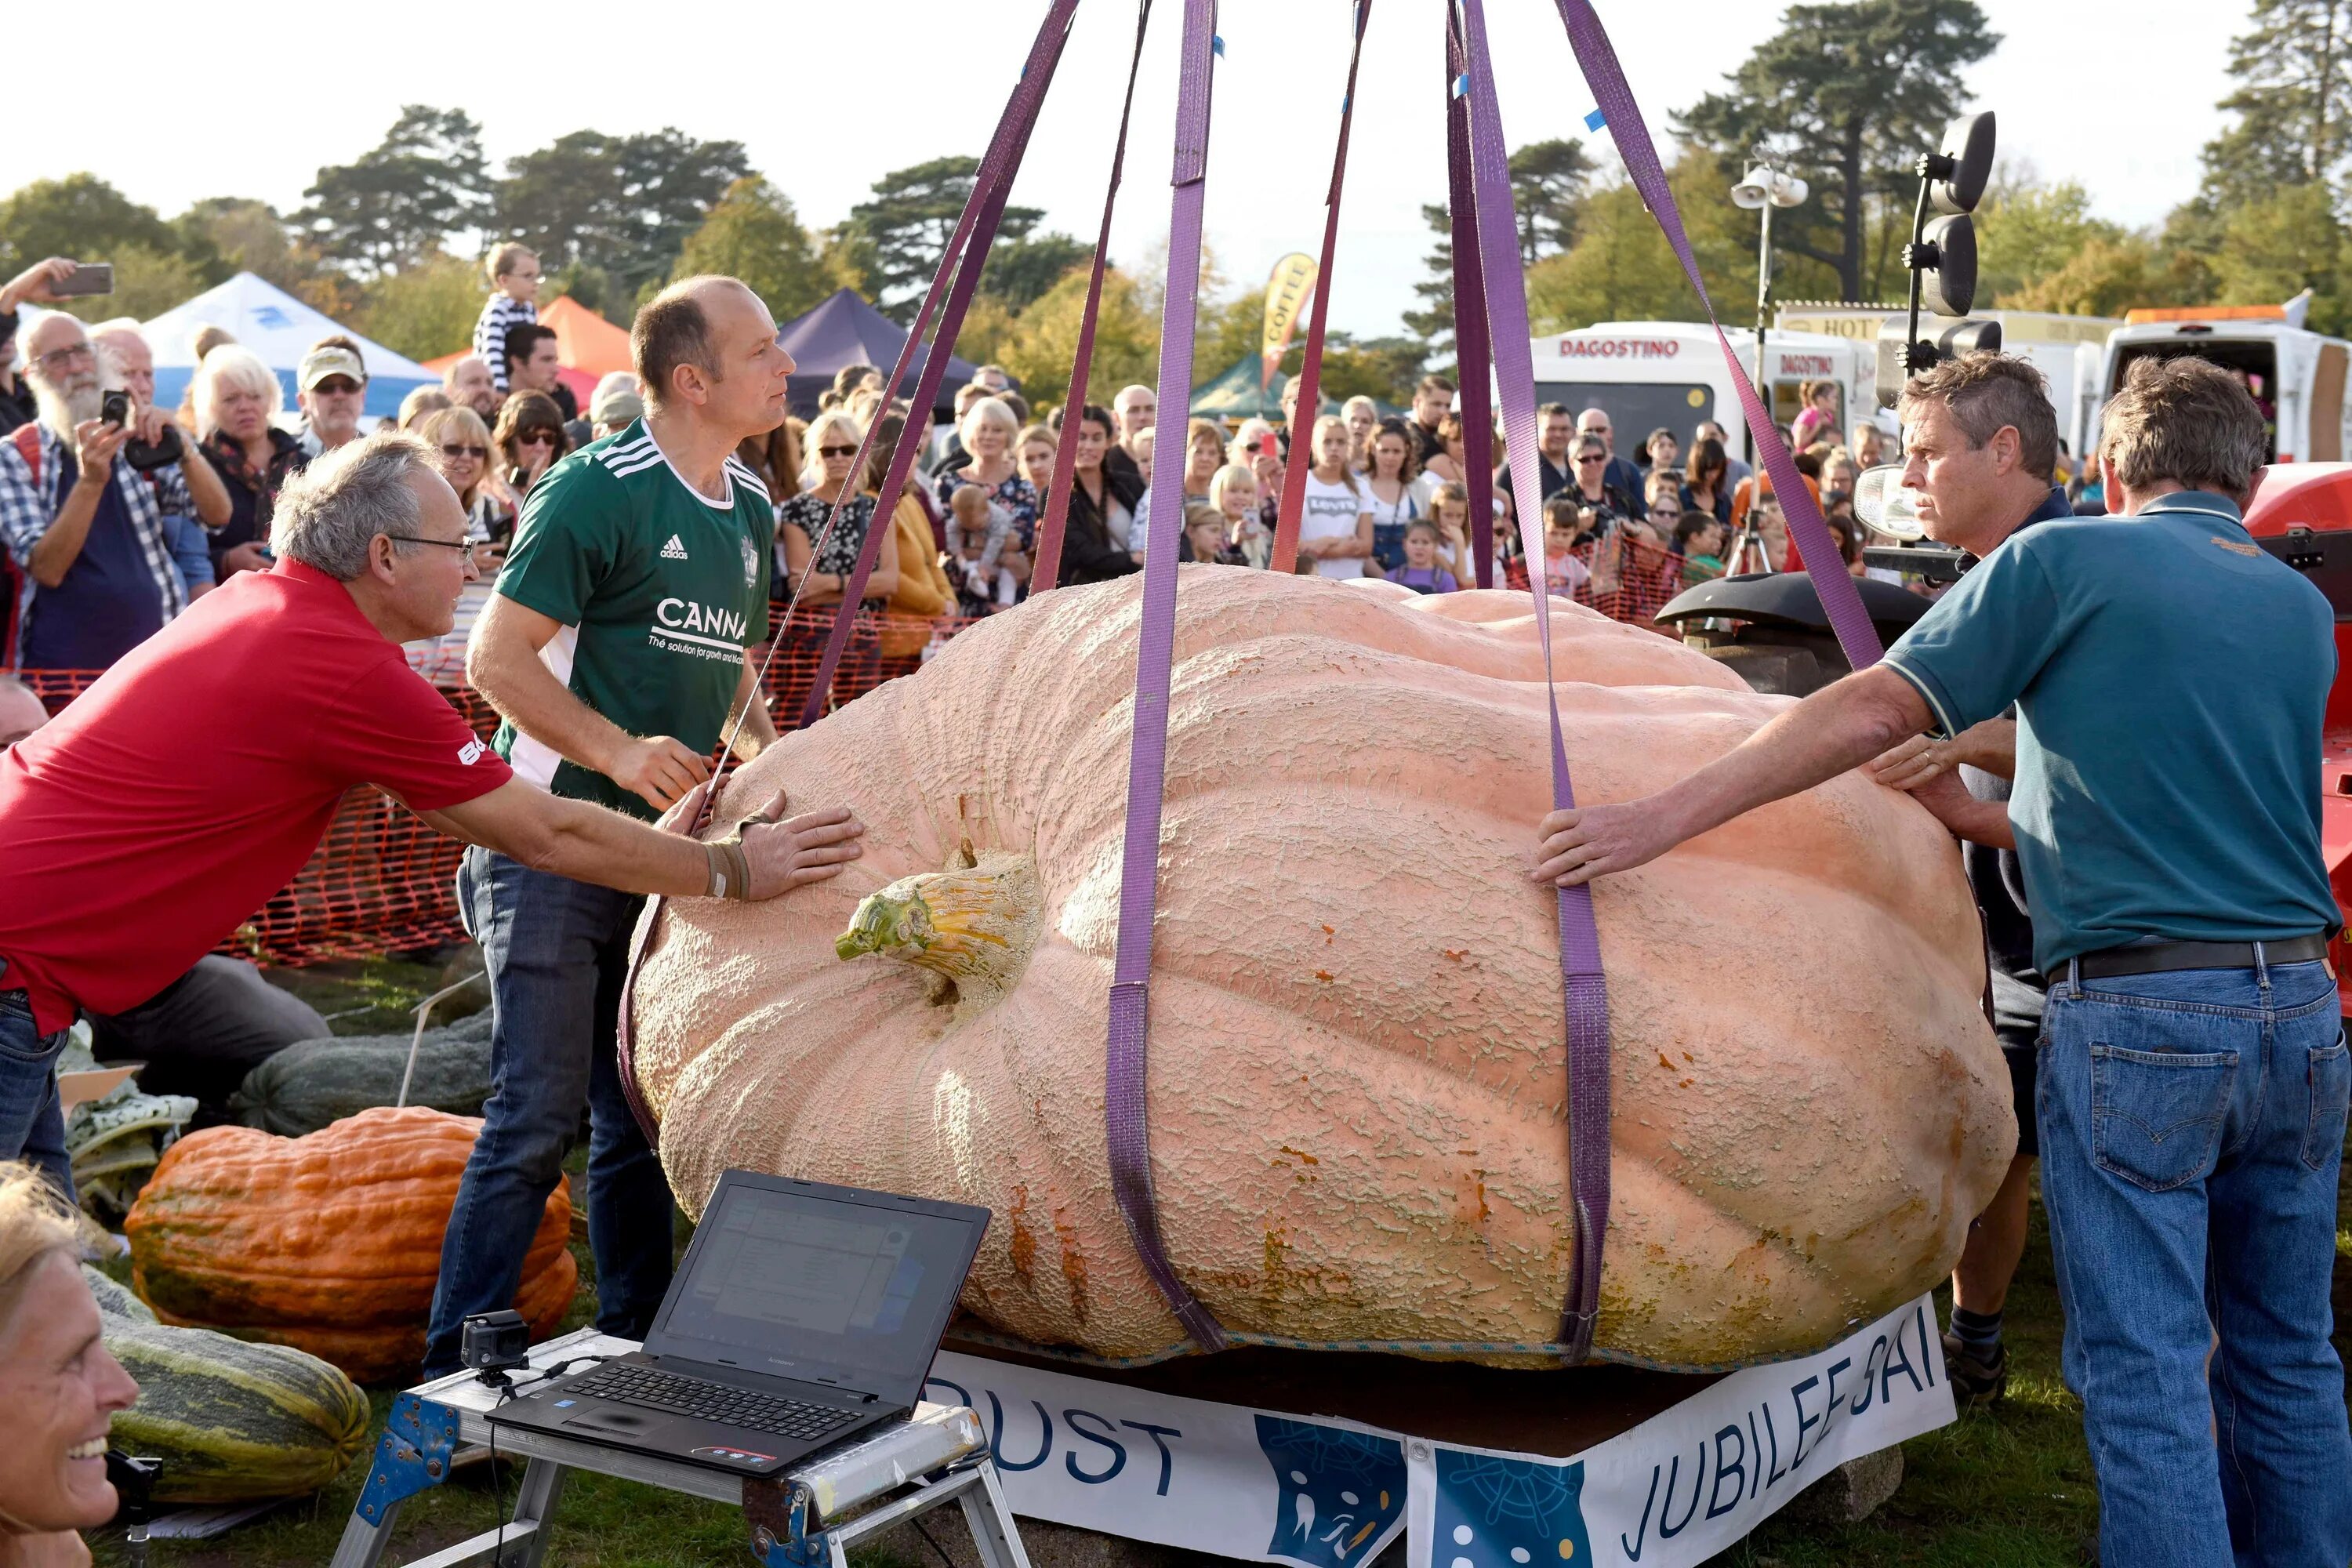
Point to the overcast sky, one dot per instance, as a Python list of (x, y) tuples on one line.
[(834, 94)]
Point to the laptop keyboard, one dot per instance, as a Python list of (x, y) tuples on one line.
[(627, 1383)]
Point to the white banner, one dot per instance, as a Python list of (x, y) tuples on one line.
[(1326, 1493), (1182, 1472), (1692, 1480)]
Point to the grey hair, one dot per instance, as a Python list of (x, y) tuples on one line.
[(329, 513)]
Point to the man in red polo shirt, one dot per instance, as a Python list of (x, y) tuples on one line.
[(191, 783)]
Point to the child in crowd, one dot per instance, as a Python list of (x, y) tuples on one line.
[(1205, 531), (1233, 490), (1421, 572), (1563, 573), (977, 530), (1449, 513), (1699, 537), (514, 296)]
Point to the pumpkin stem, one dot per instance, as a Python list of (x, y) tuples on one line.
[(972, 926)]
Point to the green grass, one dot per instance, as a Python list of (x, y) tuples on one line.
[(2007, 1489)]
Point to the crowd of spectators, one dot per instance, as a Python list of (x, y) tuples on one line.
[(96, 565)]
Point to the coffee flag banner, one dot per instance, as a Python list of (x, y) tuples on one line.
[(1287, 289), (1274, 1486)]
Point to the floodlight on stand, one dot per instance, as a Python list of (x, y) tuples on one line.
[(1764, 185), (1957, 174), (1946, 258)]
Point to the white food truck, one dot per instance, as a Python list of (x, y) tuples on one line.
[(1671, 373), (2297, 376)]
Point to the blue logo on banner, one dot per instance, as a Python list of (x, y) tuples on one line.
[(1494, 1513), (1341, 1491)]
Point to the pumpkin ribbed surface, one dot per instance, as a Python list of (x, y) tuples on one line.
[(234, 1421), (1356, 1076), (330, 1242)]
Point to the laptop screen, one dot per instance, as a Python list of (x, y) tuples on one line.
[(798, 1284)]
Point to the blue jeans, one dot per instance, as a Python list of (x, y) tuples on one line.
[(557, 951), (32, 1124), (2192, 1122)]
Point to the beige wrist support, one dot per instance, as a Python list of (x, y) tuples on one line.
[(730, 868)]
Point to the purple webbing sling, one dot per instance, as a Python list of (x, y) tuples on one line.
[(1470, 347), (1840, 600), (989, 186), (990, 190), (1583, 992), (1050, 529), (1284, 557), (1125, 1075)]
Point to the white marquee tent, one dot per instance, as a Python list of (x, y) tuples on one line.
[(281, 329)]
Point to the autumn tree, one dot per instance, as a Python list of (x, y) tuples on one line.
[(754, 234)]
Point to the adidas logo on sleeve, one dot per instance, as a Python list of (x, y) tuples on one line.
[(675, 550)]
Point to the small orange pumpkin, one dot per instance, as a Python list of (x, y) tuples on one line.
[(329, 1242)]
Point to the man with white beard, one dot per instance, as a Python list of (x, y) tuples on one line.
[(125, 361), (84, 527)]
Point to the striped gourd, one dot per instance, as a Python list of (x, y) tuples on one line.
[(234, 1421)]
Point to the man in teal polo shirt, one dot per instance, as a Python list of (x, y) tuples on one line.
[(2169, 678), (616, 649)]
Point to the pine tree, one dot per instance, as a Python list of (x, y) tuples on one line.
[(2293, 67)]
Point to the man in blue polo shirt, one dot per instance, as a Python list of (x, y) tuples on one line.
[(2169, 678)]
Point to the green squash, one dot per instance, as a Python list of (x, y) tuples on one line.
[(234, 1421), (115, 1299), (311, 1084)]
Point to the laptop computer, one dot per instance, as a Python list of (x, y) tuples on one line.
[(804, 1314)]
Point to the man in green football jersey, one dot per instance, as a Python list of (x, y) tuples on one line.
[(615, 646)]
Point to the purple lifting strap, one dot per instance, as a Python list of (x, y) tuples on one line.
[(1048, 571), (1125, 1074), (1470, 348), (1840, 600), (994, 180), (1584, 993), (1284, 559), (990, 188)]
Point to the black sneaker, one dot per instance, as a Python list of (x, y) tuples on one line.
[(1977, 1381)]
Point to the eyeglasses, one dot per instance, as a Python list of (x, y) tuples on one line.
[(479, 454), (836, 451), (536, 438), (464, 547), (57, 359), (1592, 456), (337, 386)]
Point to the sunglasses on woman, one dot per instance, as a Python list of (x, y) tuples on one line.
[(836, 451), (536, 438), (479, 454)]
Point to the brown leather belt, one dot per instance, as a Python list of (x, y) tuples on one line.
[(2148, 958)]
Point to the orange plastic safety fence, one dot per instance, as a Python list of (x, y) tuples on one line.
[(1627, 580), (381, 881)]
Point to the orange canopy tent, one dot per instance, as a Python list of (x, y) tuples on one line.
[(588, 346)]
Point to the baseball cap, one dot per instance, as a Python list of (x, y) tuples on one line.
[(616, 400), (321, 364)]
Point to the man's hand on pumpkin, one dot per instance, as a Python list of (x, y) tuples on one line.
[(1584, 842), (794, 852)]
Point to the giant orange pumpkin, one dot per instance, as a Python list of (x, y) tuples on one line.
[(1356, 1054), (329, 1242)]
